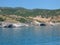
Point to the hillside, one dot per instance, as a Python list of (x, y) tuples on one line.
[(28, 12), (20, 14)]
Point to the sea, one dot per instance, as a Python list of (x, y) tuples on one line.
[(31, 35)]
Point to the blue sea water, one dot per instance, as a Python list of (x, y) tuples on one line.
[(32, 35)]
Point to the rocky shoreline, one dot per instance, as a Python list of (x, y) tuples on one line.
[(17, 25), (11, 25)]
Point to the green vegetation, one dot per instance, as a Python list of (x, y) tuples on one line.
[(22, 20), (20, 14), (1, 19), (28, 12)]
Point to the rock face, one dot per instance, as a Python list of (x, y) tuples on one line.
[(9, 26)]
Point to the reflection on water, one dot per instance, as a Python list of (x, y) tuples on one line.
[(32, 35)]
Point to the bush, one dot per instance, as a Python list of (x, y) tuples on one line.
[(22, 20), (1, 19)]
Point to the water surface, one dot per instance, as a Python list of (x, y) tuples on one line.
[(32, 35)]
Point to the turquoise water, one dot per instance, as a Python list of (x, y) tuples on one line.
[(32, 35)]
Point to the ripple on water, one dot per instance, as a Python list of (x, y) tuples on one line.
[(32, 35)]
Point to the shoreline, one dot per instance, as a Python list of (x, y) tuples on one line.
[(16, 25)]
